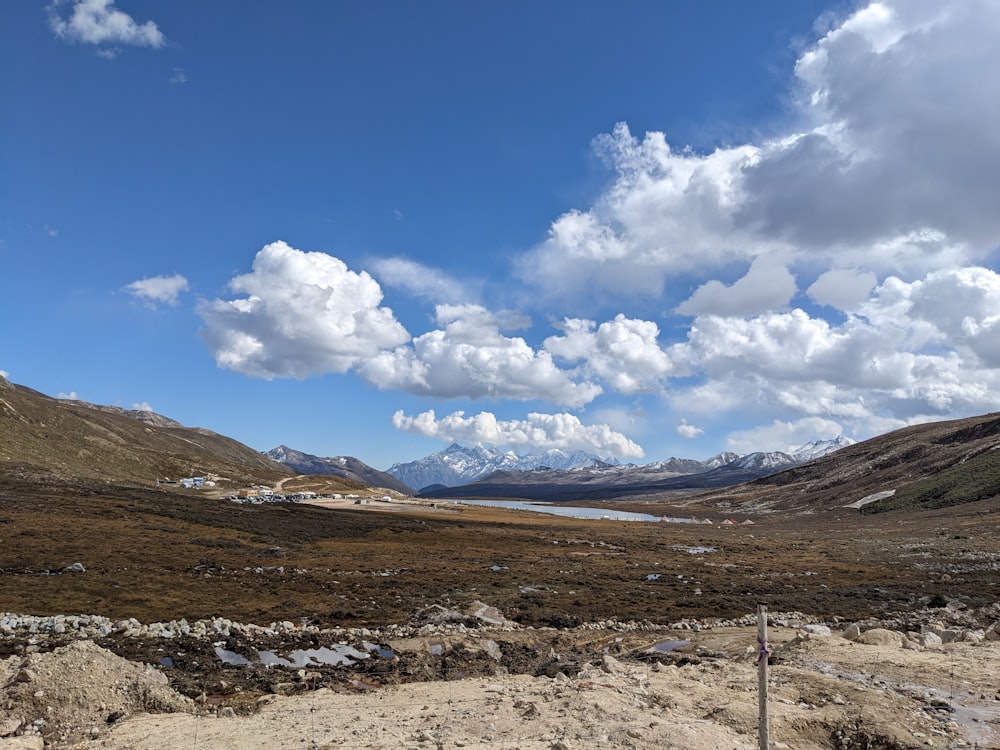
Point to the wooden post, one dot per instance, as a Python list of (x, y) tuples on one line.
[(764, 728)]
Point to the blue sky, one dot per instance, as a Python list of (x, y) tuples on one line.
[(372, 229)]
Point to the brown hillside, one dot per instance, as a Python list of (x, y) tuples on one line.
[(53, 437), (928, 465)]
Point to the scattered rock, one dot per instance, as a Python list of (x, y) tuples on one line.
[(881, 637), (852, 632), (929, 640), (820, 630)]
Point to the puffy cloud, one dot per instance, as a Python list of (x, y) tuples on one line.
[(536, 432), (889, 167), (70, 396), (99, 22), (468, 357), (844, 289), (914, 351), (667, 212), (419, 280), (961, 304), (623, 352), (688, 431), (143, 406), (766, 286), (304, 313), (158, 289), (899, 158)]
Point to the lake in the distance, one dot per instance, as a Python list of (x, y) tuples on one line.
[(568, 511)]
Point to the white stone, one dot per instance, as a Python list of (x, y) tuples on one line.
[(820, 630), (881, 637)]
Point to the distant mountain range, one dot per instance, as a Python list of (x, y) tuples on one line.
[(598, 480), (341, 466), (460, 466), (483, 471), (457, 465)]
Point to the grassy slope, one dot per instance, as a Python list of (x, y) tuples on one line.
[(45, 436)]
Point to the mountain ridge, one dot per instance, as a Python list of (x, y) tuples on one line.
[(458, 465), (476, 466), (347, 467)]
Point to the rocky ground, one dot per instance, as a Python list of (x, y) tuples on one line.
[(475, 679)]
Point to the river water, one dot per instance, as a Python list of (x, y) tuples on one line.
[(565, 510)]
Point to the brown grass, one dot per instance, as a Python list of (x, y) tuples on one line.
[(165, 555)]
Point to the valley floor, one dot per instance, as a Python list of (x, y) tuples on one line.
[(484, 616)]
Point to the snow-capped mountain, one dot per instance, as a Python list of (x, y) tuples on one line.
[(720, 459), (818, 448), (762, 460), (457, 464)]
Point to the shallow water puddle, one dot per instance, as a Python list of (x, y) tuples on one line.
[(374, 648), (665, 647), (231, 657), (334, 656)]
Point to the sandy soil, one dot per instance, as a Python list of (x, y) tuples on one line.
[(825, 692)]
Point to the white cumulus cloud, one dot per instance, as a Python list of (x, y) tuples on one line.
[(303, 314), (623, 352), (536, 432), (688, 431), (961, 305), (844, 289), (888, 166), (420, 280), (766, 286), (158, 289), (469, 357), (914, 351), (99, 22)]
